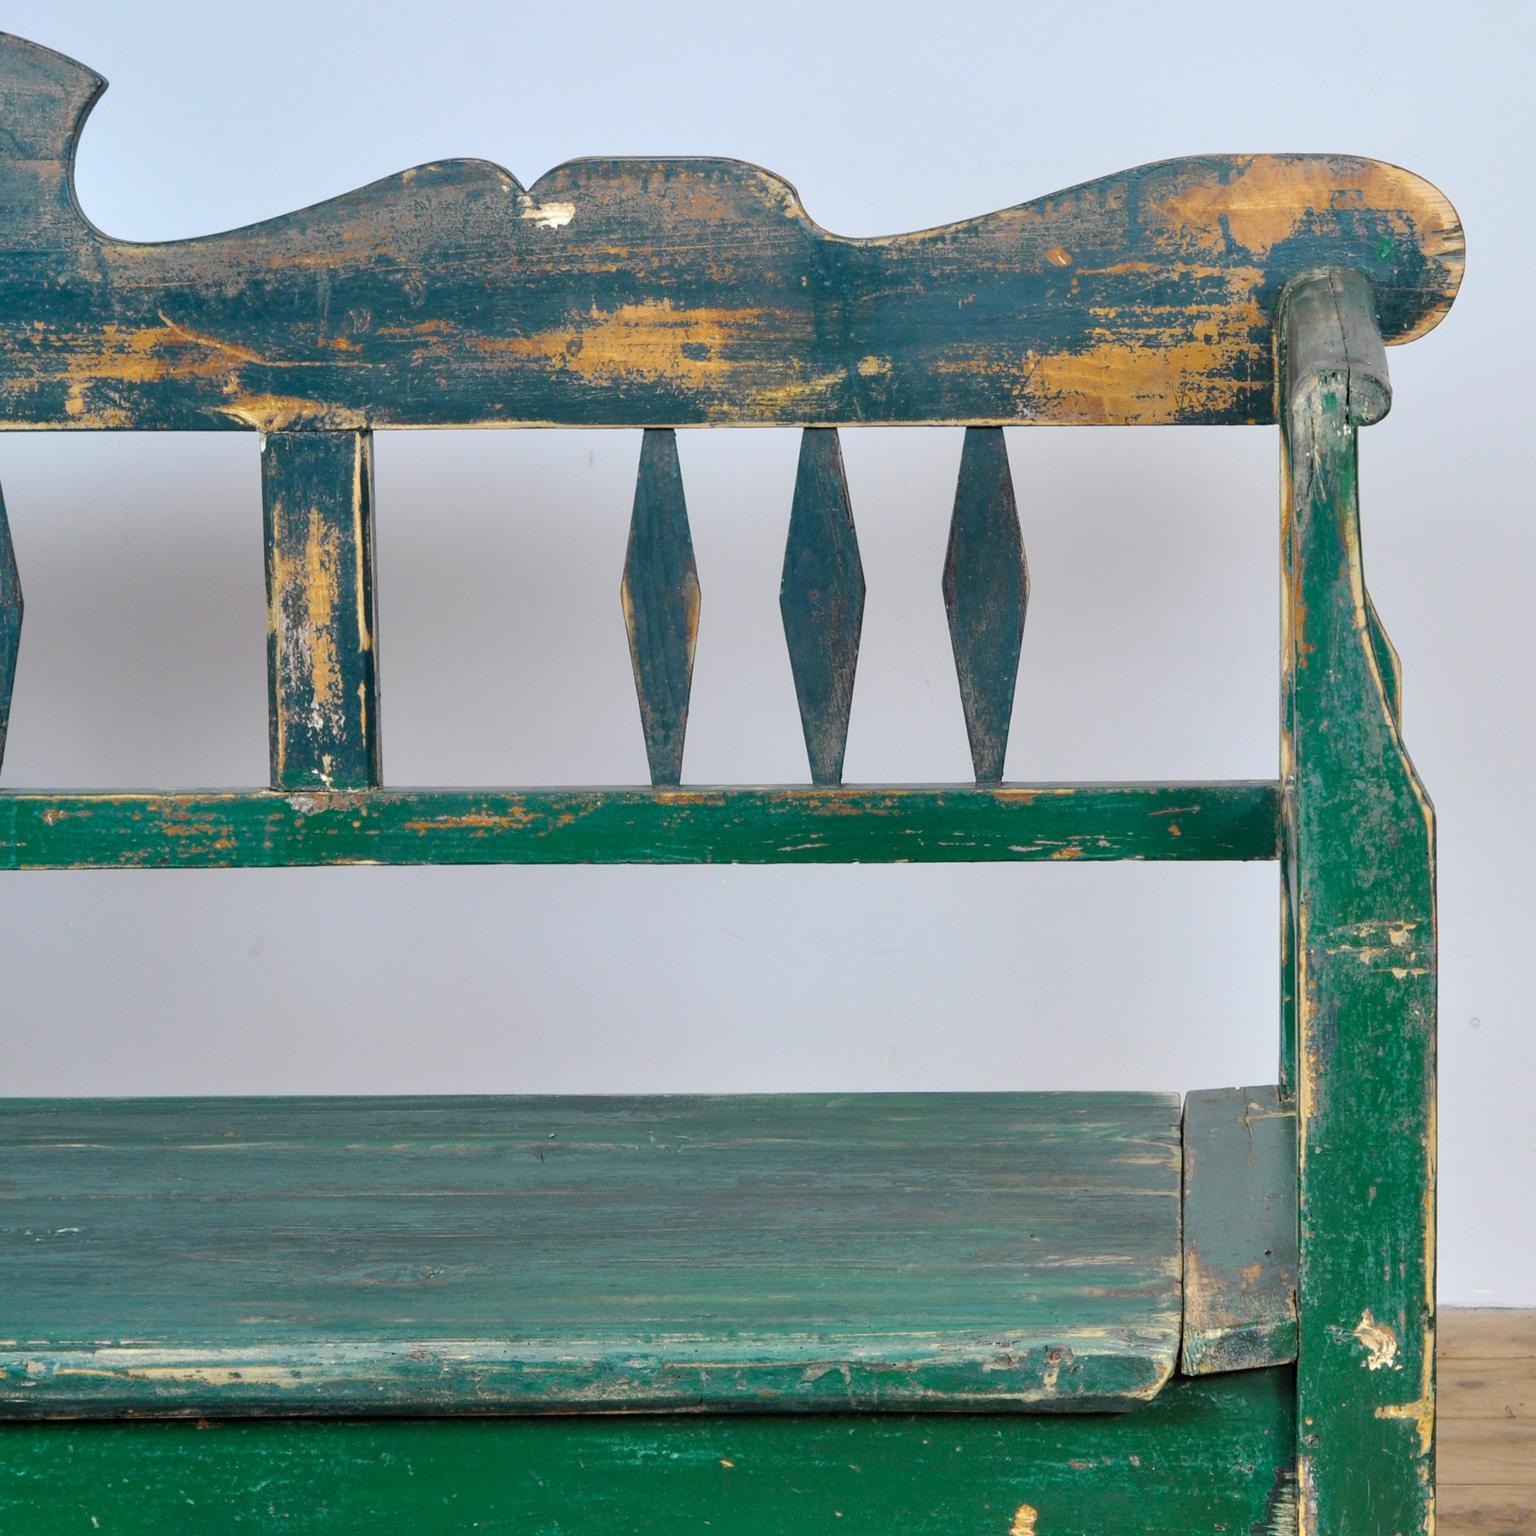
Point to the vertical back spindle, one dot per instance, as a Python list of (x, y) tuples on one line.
[(660, 593), (322, 661), (10, 622), (821, 597), (986, 594)]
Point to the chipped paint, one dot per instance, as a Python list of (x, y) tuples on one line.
[(669, 292), (1378, 1341), (549, 215), (702, 824), (1024, 1522), (319, 610), (1364, 956)]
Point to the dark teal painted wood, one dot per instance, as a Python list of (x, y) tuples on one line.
[(986, 593), (1365, 963), (322, 655), (1239, 1230), (1208, 1457), (821, 597), (660, 593), (219, 1256), (667, 292), (221, 829), (10, 623)]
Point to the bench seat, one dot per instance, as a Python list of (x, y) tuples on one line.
[(212, 1257)]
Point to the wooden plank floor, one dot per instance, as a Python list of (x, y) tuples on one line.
[(1487, 1472)]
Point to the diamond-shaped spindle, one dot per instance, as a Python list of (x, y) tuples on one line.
[(10, 622), (986, 593), (660, 593), (822, 599)]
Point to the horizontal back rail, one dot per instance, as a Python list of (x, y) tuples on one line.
[(639, 292), (915, 824)]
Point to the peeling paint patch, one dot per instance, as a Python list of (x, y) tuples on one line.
[(549, 215), (1024, 1518), (1378, 1341)]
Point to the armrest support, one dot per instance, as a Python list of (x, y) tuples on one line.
[(1360, 924)]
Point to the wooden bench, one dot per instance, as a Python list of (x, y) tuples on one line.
[(1009, 1312)]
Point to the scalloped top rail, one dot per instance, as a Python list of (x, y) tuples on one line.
[(679, 292)]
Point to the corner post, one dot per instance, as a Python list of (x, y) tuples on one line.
[(1359, 870)]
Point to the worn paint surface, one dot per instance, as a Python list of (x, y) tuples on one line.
[(1239, 1230), (772, 1251), (724, 825), (1208, 1457), (693, 292), (821, 597), (322, 657), (667, 292), (986, 592), (1365, 963), (10, 623), (660, 595)]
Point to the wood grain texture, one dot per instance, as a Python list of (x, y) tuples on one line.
[(210, 1257), (1239, 1230), (1365, 971), (220, 829), (10, 623), (673, 292), (986, 594), (1474, 1510), (1205, 1457), (1486, 1452), (1469, 1388), (660, 595), (821, 597), (1491, 1452), (322, 656), (1490, 1333)]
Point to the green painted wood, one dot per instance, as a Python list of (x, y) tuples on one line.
[(10, 623), (1239, 1230), (322, 662), (660, 594), (1207, 1457), (227, 1256), (1388, 665), (220, 829), (986, 593), (669, 292), (1365, 965), (821, 597)]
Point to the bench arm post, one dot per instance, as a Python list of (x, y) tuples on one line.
[(1360, 921)]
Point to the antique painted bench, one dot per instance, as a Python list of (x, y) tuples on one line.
[(1014, 1313)]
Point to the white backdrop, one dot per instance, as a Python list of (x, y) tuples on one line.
[(1150, 649)]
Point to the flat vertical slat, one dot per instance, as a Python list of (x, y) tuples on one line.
[(1363, 849), (821, 598), (986, 594), (322, 659), (10, 622), (660, 593)]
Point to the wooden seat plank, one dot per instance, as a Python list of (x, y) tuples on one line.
[(229, 1256)]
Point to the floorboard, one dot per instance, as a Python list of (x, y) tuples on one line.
[(1487, 1435)]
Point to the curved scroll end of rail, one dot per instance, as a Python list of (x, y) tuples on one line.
[(1328, 338), (44, 101)]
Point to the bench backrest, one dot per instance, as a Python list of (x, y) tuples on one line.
[(664, 294), (659, 294)]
